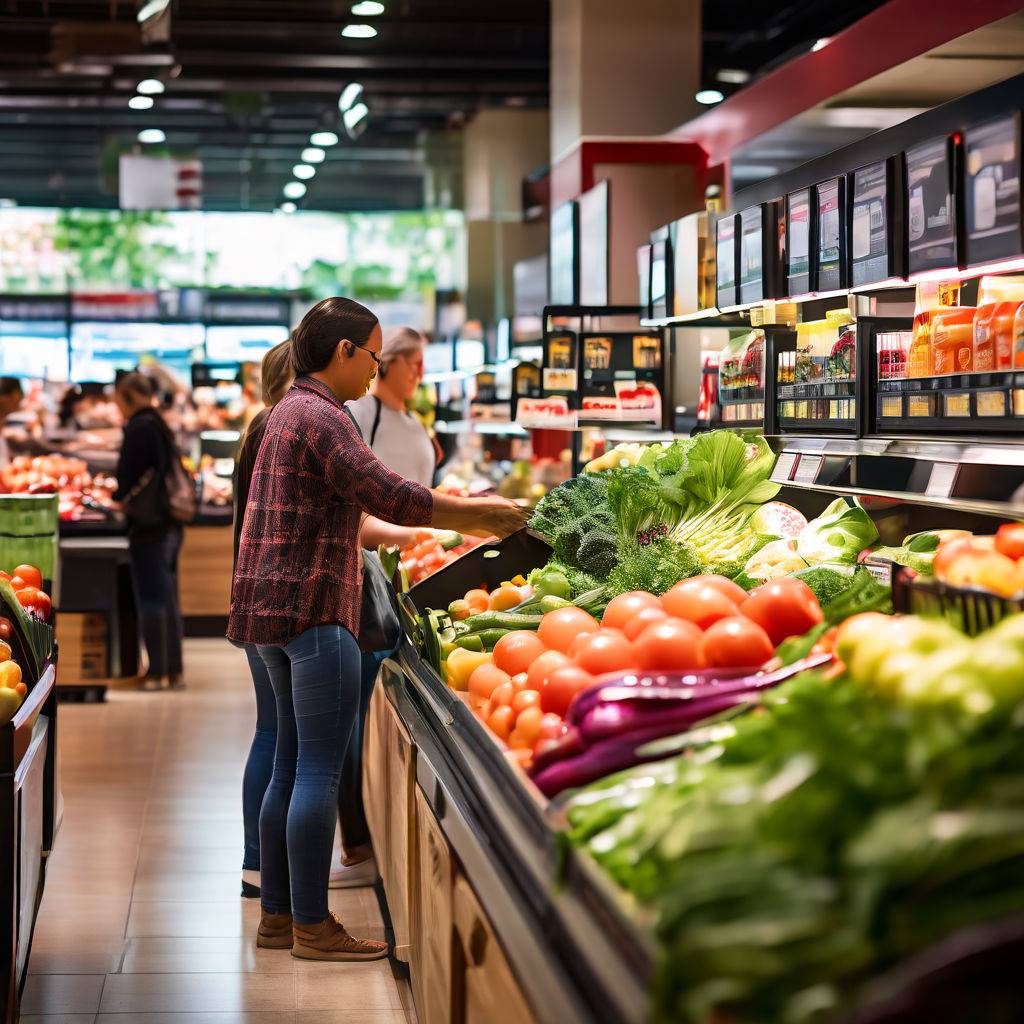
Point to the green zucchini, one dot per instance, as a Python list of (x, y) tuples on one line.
[(502, 620), (471, 642)]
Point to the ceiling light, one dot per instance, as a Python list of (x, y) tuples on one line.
[(357, 31), (140, 102), (312, 155), (367, 9), (820, 44), (151, 135), (303, 171), (148, 10), (323, 139), (709, 97), (150, 87), (7, 203), (295, 190), (354, 115), (288, 207), (733, 76), (349, 95)]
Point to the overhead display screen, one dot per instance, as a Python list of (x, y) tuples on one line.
[(751, 255), (725, 249), (992, 178), (831, 243), (562, 268), (798, 241), (869, 234), (931, 211), (594, 246)]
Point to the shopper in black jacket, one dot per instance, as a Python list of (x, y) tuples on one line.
[(153, 546)]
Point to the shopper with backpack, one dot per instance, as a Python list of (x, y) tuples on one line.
[(158, 498)]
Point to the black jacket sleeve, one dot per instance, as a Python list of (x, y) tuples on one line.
[(142, 449)]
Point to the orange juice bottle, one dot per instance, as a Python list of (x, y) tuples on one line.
[(953, 341), (998, 299), (1018, 338), (933, 297)]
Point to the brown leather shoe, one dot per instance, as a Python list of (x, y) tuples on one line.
[(328, 940), (275, 931)]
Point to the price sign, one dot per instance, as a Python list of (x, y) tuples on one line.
[(807, 469), (783, 471), (940, 483)]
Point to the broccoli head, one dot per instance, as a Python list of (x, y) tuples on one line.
[(653, 567), (597, 553)]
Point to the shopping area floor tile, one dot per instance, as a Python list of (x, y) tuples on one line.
[(187, 887), (195, 993), (62, 993), (166, 917), (58, 1018), (208, 1017), (348, 986)]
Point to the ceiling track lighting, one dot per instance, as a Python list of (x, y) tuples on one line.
[(140, 102), (367, 9), (349, 95), (150, 87), (323, 139), (357, 30)]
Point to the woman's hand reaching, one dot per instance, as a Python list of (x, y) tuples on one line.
[(494, 517)]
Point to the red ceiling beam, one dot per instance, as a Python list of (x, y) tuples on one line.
[(887, 37)]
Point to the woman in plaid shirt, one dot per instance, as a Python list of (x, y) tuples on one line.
[(296, 595)]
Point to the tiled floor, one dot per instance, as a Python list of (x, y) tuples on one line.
[(141, 922)]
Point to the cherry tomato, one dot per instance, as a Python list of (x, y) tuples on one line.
[(607, 650), (671, 645), (515, 652), (40, 604), (501, 721), (736, 642), (30, 574), (528, 724), (722, 584), (5, 576), (642, 620), (783, 608), (526, 699), (702, 605), (505, 598), (1009, 540), (483, 681), (551, 726), (17, 583), (519, 681), (5, 629), (623, 609), (543, 666), (478, 601), (561, 686), (502, 694), (559, 628)]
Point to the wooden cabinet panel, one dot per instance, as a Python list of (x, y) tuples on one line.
[(485, 990), (400, 828), (375, 773), (431, 919), (204, 570)]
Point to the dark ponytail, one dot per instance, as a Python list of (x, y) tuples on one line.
[(327, 323)]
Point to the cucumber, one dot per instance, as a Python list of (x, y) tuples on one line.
[(502, 620), (471, 642), (490, 637)]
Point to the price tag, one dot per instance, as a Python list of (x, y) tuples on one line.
[(940, 483), (783, 471), (892, 405), (991, 403), (807, 469), (1018, 403), (958, 405), (920, 405)]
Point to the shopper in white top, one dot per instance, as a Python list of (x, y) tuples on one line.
[(397, 437)]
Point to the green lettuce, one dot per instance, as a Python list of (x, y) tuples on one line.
[(839, 534)]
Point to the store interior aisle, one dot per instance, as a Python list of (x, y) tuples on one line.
[(141, 919)]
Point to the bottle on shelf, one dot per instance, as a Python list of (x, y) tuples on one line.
[(933, 298), (998, 300), (952, 333), (1018, 338)]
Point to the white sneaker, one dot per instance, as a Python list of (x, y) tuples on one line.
[(354, 876)]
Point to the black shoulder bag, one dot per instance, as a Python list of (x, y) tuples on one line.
[(162, 493), (379, 626)]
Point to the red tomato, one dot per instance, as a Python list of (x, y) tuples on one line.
[(528, 724), (1009, 540), (502, 694), (501, 721), (526, 699), (515, 652), (607, 650), (783, 608), (17, 583), (36, 602), (551, 726), (559, 628), (736, 642), (702, 605), (483, 681), (642, 620), (671, 645), (723, 585), (623, 609), (519, 681), (30, 574), (5, 576), (561, 686), (543, 667)]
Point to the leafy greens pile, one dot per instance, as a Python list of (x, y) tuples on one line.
[(795, 854)]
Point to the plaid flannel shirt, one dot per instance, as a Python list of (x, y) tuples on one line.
[(299, 560)]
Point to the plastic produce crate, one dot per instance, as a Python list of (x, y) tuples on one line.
[(970, 609)]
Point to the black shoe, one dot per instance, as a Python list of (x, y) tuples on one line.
[(250, 891), (175, 683)]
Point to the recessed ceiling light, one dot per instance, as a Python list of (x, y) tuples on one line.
[(303, 171), (7, 203), (313, 155), (733, 76), (151, 135), (820, 44), (358, 31), (288, 207), (367, 9), (148, 10), (349, 95), (140, 102), (295, 190), (354, 115), (323, 139), (150, 87), (709, 97)]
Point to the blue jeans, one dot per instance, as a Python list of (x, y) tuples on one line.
[(260, 765), (154, 564), (316, 682)]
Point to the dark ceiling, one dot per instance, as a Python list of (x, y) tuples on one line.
[(247, 81)]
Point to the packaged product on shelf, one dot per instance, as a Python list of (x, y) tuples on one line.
[(892, 350), (953, 341), (1018, 338), (933, 297), (998, 299)]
